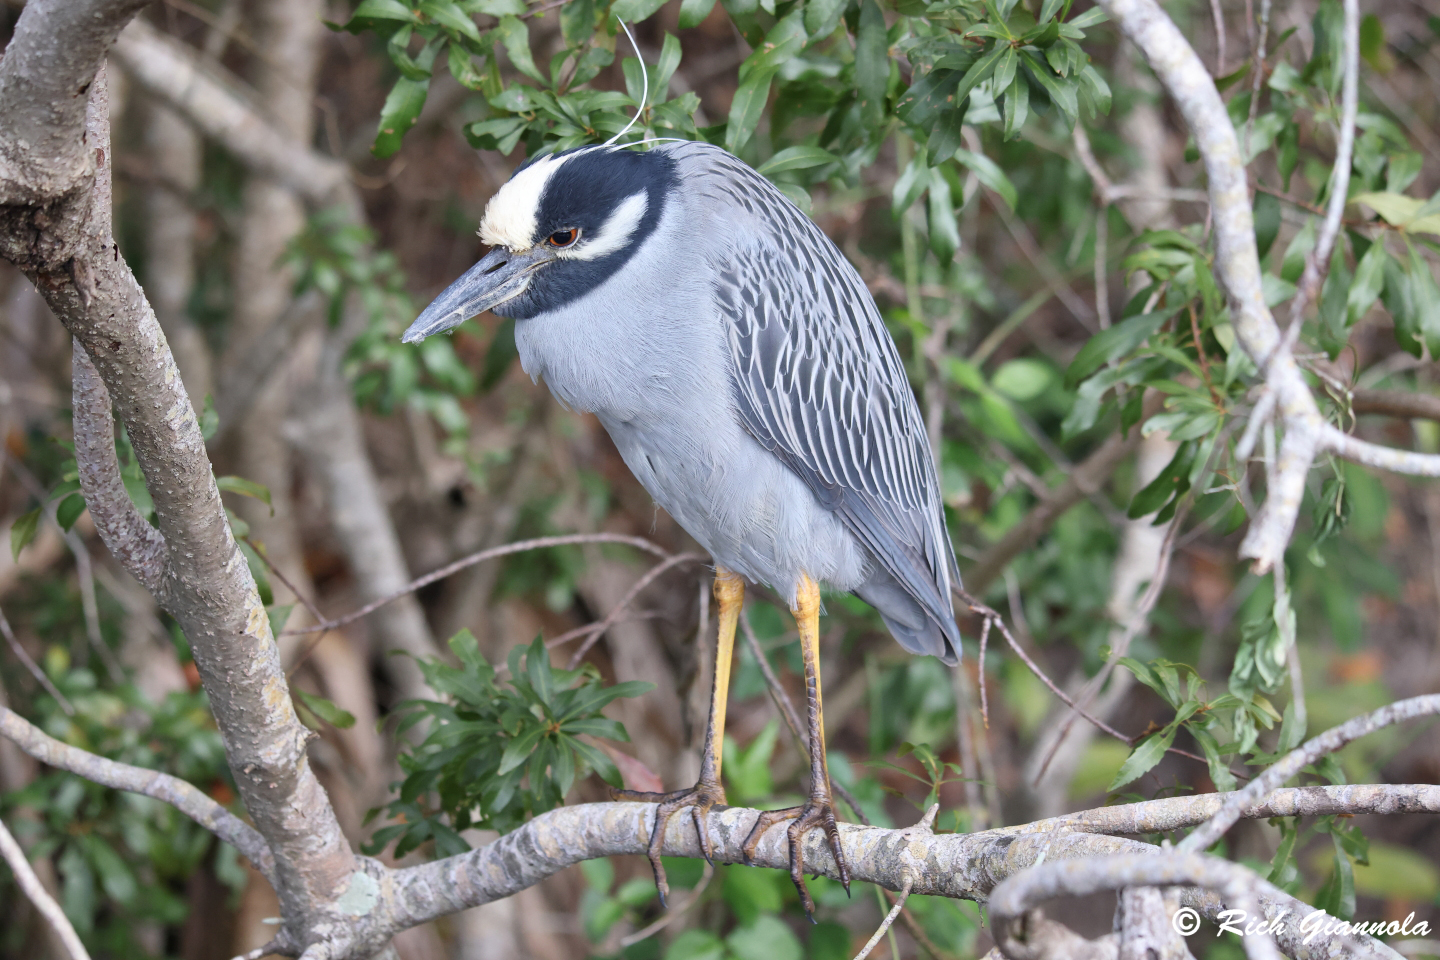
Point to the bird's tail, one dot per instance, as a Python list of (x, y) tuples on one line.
[(917, 629)]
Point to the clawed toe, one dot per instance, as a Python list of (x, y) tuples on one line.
[(701, 799), (817, 812)]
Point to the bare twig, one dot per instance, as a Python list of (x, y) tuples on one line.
[(1218, 16), (885, 924), (598, 630), (1318, 262), (34, 668), (982, 610), (183, 796), (538, 543), (28, 882), (1299, 758), (84, 571)]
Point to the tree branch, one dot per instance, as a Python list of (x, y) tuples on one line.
[(183, 796), (44, 81), (1302, 756), (29, 883), (963, 866), (1240, 887), (1410, 404), (1179, 813), (138, 546), (76, 265), (171, 71)]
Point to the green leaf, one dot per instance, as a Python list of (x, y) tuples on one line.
[(541, 677), (1062, 91), (1049, 8), (1150, 752), (988, 172), (696, 945), (1111, 344), (401, 110), (1368, 281), (1408, 213), (246, 488), (768, 938), (1220, 774), (822, 16), (1017, 106), (209, 419), (371, 10), (23, 531), (693, 12), (69, 511), (326, 710), (448, 14), (872, 61), (1267, 221), (945, 136), (944, 230), (746, 108), (516, 39), (518, 750), (633, 11), (797, 158)]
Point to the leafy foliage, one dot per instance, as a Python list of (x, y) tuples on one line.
[(123, 859), (497, 753)]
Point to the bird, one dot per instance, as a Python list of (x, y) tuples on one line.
[(743, 370)]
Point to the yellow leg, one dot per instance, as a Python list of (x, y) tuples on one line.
[(708, 792), (819, 810)]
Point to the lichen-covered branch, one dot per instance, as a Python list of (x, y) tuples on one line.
[(76, 265), (183, 796), (1238, 268), (965, 866), (1301, 757), (1179, 813)]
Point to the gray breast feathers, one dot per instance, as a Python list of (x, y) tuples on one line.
[(818, 381)]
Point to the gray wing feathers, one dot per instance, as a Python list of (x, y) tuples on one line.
[(819, 383)]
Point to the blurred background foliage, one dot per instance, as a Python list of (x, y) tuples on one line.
[(1025, 207)]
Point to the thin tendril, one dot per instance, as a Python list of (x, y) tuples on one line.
[(644, 79)]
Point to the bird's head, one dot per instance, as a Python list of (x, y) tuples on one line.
[(562, 225)]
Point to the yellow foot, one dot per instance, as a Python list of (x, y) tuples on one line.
[(701, 799), (817, 812)]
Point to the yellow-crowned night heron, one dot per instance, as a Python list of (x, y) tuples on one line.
[(744, 372)]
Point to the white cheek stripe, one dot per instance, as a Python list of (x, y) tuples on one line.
[(510, 216), (616, 232)]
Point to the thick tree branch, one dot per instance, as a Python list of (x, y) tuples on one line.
[(44, 85), (964, 866), (183, 796), (207, 586)]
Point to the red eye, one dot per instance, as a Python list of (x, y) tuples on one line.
[(563, 238)]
